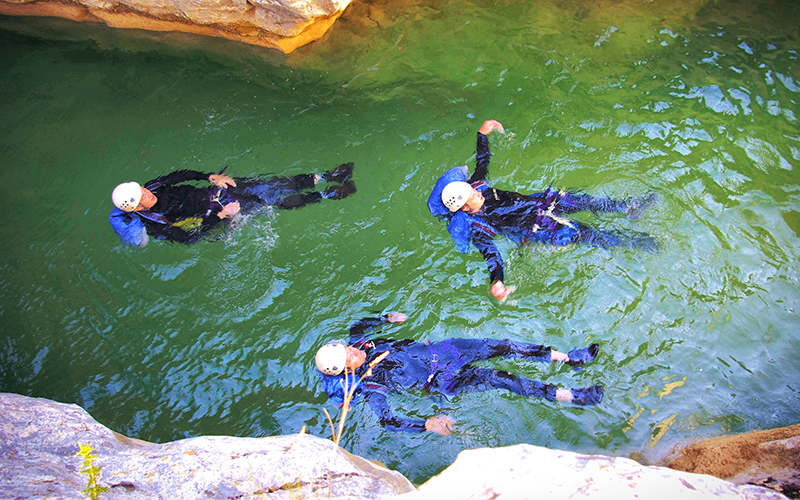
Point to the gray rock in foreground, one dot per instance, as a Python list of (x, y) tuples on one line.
[(530, 472), (38, 440)]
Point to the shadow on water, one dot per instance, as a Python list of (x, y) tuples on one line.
[(696, 101)]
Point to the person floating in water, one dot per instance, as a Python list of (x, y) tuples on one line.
[(438, 367), (477, 212), (169, 208)]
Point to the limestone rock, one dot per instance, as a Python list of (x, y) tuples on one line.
[(530, 472), (770, 458), (38, 440), (280, 24)]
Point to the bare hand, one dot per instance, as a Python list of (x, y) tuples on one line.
[(490, 125), (396, 317), (500, 291), (229, 210), (564, 395), (442, 425), (221, 180)]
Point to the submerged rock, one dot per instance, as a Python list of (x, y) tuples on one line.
[(282, 24)]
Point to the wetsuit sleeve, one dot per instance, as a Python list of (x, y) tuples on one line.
[(377, 401), (482, 157), (177, 177), (484, 242), (359, 329)]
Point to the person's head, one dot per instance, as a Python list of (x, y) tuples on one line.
[(331, 359), (131, 197), (461, 195)]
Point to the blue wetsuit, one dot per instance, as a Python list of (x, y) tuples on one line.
[(441, 367), (185, 213), (526, 218)]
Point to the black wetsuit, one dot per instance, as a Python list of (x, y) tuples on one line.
[(183, 212), (442, 367), (537, 217)]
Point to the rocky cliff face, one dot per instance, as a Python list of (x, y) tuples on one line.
[(39, 439), (279, 24)]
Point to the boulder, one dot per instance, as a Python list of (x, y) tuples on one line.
[(530, 472), (39, 439), (769, 458), (279, 24)]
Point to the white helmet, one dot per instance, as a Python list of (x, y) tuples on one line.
[(455, 195), (126, 196), (331, 358)]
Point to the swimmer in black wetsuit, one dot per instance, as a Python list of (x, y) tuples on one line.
[(169, 208), (477, 213), (442, 367)]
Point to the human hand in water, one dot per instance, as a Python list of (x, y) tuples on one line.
[(396, 317), (442, 425), (221, 180), (500, 291), (229, 210), (490, 125)]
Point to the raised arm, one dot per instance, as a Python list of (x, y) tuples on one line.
[(482, 154)]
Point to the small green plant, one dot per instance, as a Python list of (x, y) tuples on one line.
[(91, 470)]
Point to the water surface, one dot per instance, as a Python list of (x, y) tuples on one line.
[(696, 101)]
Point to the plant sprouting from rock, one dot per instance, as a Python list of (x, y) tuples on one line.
[(91, 470)]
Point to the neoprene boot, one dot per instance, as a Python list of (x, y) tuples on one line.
[(339, 174), (340, 191), (588, 395), (579, 357)]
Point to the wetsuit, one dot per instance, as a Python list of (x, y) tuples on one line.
[(184, 213), (525, 218), (442, 367)]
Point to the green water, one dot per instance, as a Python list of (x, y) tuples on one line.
[(697, 101)]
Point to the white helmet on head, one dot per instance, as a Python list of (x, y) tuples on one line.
[(126, 196), (331, 358), (455, 195)]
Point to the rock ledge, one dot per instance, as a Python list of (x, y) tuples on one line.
[(39, 438), (284, 25)]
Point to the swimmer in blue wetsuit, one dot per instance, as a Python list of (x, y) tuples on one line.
[(476, 213), (441, 367), (170, 208)]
